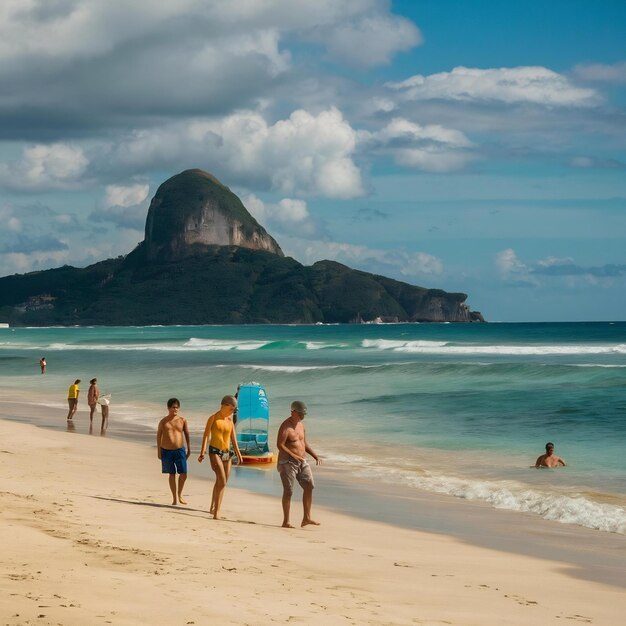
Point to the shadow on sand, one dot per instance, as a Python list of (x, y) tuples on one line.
[(183, 509)]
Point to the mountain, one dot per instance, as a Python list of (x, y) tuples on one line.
[(192, 211), (206, 260)]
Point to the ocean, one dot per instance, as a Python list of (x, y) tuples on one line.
[(456, 409)]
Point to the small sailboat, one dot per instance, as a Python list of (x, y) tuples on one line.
[(253, 418)]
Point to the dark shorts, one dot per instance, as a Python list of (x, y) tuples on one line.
[(292, 470), (173, 461), (223, 454)]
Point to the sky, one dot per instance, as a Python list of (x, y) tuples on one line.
[(473, 146)]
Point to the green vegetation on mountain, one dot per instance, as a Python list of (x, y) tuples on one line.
[(194, 209), (214, 284)]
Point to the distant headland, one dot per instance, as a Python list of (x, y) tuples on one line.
[(206, 260)]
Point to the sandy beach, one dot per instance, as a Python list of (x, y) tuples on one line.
[(90, 538)]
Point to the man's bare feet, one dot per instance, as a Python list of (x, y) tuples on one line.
[(306, 522), (180, 499), (287, 525)]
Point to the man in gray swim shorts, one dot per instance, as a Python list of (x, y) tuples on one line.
[(292, 464), (292, 470)]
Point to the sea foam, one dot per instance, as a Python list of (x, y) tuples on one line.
[(501, 494), (442, 347)]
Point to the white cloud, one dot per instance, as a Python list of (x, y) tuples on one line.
[(289, 210), (586, 162), (432, 148), (86, 246), (375, 105), (126, 206), (615, 73), (68, 65), (581, 162), (288, 215), (42, 167), (261, 44), (29, 28), (256, 207), (64, 31), (400, 128), (362, 33), (371, 40), (71, 64), (553, 261), (535, 85), (310, 13), (509, 265), (420, 264), (404, 264), (14, 225), (19, 262), (125, 196), (303, 154)]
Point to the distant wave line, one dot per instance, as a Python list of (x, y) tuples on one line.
[(396, 346), (192, 345), (422, 347)]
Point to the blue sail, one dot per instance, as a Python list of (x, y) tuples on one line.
[(253, 418)]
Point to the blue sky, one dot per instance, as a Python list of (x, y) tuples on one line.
[(469, 146)]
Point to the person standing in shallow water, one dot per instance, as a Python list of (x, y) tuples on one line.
[(104, 402), (549, 459), (72, 398), (171, 451), (292, 464), (220, 434), (93, 393), (43, 364)]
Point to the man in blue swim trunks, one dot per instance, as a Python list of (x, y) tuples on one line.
[(171, 451)]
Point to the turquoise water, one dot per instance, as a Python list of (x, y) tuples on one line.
[(456, 409)]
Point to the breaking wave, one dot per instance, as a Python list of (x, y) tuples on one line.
[(505, 494), (442, 347)]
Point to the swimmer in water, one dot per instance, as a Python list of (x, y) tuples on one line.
[(549, 459)]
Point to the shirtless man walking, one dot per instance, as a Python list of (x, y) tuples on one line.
[(170, 449), (292, 464), (549, 459)]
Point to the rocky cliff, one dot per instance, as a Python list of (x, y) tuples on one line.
[(206, 260), (193, 210)]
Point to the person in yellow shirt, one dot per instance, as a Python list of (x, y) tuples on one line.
[(72, 398), (220, 433)]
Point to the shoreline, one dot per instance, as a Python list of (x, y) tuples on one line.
[(87, 547), (588, 554)]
